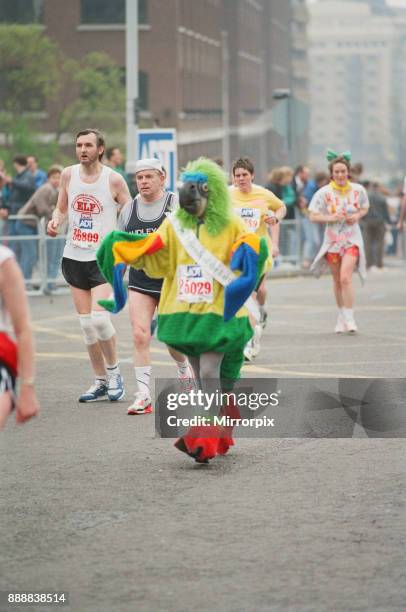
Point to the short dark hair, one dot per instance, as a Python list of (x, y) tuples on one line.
[(99, 138), (55, 169), (243, 162), (110, 152), (21, 160)]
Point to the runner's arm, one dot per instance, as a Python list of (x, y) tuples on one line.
[(119, 189), (15, 300)]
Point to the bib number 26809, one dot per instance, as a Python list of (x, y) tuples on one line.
[(82, 238)]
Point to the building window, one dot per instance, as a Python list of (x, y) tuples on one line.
[(108, 12), (21, 11), (102, 11), (143, 12)]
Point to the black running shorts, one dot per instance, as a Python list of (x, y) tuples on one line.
[(82, 274), (140, 282)]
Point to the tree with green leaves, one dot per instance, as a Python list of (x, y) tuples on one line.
[(29, 76), (101, 96)]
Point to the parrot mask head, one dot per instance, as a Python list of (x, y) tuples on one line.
[(194, 193), (204, 197)]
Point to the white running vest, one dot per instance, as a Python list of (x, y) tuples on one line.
[(92, 215)]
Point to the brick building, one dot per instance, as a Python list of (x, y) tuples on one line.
[(185, 78)]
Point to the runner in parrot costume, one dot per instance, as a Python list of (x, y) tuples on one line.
[(210, 266)]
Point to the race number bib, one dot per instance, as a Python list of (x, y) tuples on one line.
[(86, 222), (251, 218), (193, 285), (84, 239)]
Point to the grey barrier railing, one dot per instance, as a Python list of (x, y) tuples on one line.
[(40, 256)]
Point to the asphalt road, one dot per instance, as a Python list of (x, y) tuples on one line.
[(94, 505)]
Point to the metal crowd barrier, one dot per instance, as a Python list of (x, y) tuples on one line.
[(45, 252), (48, 251), (290, 245)]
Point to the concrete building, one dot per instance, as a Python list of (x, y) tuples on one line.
[(351, 78), (206, 67), (299, 81)]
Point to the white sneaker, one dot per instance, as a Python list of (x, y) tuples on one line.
[(253, 347), (350, 322), (141, 404), (341, 326), (256, 347), (248, 351), (187, 381)]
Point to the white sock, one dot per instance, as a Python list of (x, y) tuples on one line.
[(114, 369), (182, 366), (348, 314), (143, 378)]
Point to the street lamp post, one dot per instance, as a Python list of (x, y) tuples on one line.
[(131, 83), (286, 94), (225, 96)]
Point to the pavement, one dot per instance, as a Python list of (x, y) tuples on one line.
[(94, 505)]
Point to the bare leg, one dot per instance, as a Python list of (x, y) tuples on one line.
[(142, 308), (335, 271), (178, 357), (261, 293), (5, 408), (348, 264)]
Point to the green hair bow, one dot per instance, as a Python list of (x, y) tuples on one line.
[(332, 155)]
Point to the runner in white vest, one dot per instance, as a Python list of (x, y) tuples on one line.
[(90, 193)]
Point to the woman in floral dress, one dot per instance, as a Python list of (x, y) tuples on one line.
[(340, 205)]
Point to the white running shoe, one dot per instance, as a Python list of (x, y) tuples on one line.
[(350, 321), (341, 326), (141, 404), (253, 347), (187, 381), (115, 386)]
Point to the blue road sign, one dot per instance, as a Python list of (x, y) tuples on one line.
[(160, 143)]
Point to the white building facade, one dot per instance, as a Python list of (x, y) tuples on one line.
[(352, 57)]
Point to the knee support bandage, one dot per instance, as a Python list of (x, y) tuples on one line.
[(102, 324), (89, 332)]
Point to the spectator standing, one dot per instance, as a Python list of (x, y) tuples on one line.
[(312, 237), (374, 225), (20, 188), (115, 160), (402, 216), (39, 175), (281, 184), (42, 205), (300, 180)]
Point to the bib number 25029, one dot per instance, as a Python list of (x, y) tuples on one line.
[(193, 285)]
